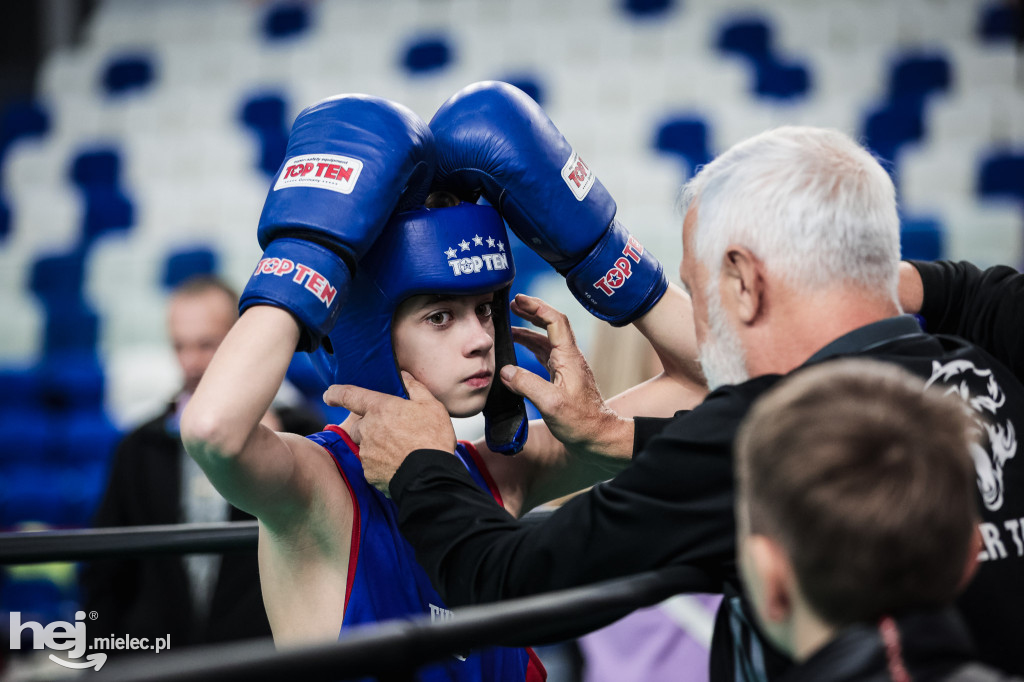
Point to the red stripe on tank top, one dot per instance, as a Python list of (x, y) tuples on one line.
[(353, 555), (491, 485)]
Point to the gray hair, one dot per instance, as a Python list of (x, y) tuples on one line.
[(811, 203)]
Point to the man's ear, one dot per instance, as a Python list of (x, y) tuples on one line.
[(777, 578), (743, 281)]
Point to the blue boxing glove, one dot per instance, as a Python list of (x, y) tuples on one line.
[(352, 160), (493, 139)]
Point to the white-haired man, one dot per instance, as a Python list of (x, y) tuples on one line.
[(791, 256)]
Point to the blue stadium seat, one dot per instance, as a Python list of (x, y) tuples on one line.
[(30, 493), (919, 75), (96, 166), (97, 173), (749, 37), (81, 489), (88, 437), (1000, 22), (264, 110), (27, 434), (182, 265), (285, 21), (107, 209), (23, 119), (264, 113), (921, 239), (892, 125), (427, 54), (19, 387), (72, 378), (71, 326), (685, 136), (529, 84), (128, 73), (643, 9), (58, 277), (1002, 176), (779, 80)]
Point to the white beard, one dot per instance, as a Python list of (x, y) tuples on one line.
[(722, 358)]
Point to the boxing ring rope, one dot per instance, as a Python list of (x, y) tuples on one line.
[(390, 650), (34, 547), (393, 650)]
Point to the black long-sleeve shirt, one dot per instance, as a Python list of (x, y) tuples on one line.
[(674, 505), (986, 307)]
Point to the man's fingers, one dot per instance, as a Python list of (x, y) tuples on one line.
[(535, 342), (527, 384), (353, 398), (417, 391), (525, 306), (543, 315)]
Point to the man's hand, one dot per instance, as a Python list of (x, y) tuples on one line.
[(571, 403), (392, 427)]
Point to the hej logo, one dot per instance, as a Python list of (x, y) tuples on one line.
[(59, 635)]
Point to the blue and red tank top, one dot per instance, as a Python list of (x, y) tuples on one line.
[(385, 582)]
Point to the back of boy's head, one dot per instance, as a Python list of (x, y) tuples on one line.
[(866, 481)]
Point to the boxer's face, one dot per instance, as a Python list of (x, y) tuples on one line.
[(447, 343)]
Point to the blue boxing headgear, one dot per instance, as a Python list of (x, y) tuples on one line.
[(459, 250)]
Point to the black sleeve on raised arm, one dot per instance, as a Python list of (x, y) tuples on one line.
[(985, 307)]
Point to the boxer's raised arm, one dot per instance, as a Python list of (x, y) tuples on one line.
[(253, 467)]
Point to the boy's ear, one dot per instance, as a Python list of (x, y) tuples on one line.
[(972, 559), (776, 575)]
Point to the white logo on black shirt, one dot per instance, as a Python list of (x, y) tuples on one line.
[(980, 391)]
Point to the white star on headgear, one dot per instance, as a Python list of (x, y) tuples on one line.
[(478, 240), (464, 245), (450, 252), (501, 247), (490, 242)]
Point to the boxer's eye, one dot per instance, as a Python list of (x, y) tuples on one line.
[(440, 318), (484, 310)]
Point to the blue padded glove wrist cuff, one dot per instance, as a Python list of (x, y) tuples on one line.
[(619, 280), (307, 280)]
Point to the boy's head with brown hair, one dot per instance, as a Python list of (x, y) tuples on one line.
[(856, 500)]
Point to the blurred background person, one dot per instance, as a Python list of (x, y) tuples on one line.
[(196, 598)]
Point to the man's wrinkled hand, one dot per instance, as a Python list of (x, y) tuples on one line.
[(392, 427), (570, 403)]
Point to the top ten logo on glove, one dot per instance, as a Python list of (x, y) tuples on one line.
[(326, 171)]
